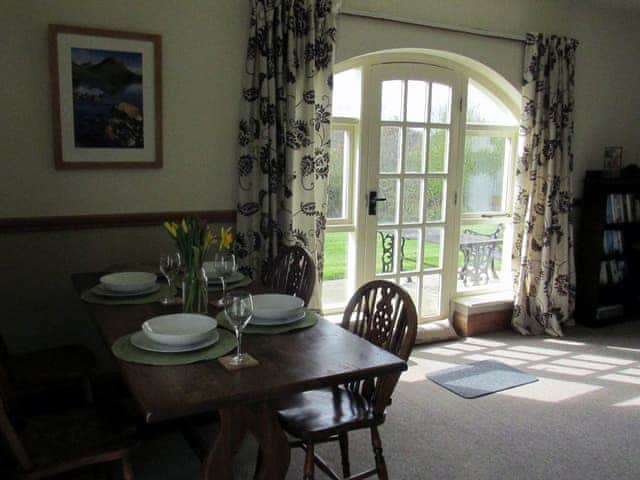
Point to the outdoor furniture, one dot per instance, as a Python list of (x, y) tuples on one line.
[(480, 252), (293, 273), (382, 313), (324, 355)]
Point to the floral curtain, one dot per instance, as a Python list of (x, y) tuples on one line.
[(284, 131), (543, 257)]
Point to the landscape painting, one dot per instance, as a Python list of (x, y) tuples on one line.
[(106, 95), (107, 98)]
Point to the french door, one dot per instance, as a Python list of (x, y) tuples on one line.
[(411, 128)]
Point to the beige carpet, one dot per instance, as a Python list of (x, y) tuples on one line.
[(580, 421)]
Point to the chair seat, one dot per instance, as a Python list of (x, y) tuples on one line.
[(318, 414), (78, 436), (40, 369)]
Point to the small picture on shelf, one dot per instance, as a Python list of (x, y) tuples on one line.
[(612, 161)]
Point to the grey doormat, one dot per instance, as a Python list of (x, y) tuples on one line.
[(481, 378)]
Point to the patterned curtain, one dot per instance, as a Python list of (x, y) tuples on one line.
[(284, 131), (544, 274)]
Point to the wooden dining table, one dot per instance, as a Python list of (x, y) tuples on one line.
[(324, 355)]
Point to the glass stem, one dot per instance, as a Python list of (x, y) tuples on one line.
[(239, 340), (170, 287), (223, 288)]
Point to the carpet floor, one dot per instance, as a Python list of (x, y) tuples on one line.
[(580, 421)]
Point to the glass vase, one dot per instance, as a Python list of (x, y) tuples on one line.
[(195, 296)]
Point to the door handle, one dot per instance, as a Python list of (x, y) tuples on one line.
[(373, 202)]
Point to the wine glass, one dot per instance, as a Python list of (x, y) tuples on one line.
[(224, 264), (170, 267), (238, 308)]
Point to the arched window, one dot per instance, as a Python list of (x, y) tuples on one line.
[(433, 137)]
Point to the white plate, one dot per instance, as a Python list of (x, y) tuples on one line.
[(128, 281), (141, 341), (232, 278), (179, 329), (272, 322), (105, 292), (275, 305)]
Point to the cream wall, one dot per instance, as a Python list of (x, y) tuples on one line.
[(203, 43)]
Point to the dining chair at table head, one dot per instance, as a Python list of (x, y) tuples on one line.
[(293, 273), (43, 446), (382, 313)]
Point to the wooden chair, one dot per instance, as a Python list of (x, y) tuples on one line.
[(40, 372), (51, 444), (384, 314), (293, 273)]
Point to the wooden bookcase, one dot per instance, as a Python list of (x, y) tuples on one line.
[(609, 240)]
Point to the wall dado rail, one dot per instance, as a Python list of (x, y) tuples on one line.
[(78, 222)]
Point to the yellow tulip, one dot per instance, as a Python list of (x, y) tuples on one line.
[(226, 238), (185, 229), (172, 228)]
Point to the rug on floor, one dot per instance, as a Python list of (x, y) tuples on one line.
[(480, 378)]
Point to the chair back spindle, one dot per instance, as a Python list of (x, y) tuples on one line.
[(384, 314), (293, 273)]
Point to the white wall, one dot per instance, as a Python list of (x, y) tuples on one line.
[(607, 70)]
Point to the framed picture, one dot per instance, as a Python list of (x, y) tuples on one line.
[(612, 160), (106, 91)]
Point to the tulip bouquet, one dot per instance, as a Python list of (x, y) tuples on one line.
[(194, 238)]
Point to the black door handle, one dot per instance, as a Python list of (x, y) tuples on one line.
[(373, 202)]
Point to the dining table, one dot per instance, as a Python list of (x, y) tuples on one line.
[(324, 355)]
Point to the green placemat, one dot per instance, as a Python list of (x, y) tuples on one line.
[(216, 287), (309, 320), (124, 350), (90, 297)]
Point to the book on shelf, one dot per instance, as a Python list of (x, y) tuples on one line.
[(622, 208), (609, 311), (612, 243), (612, 272)]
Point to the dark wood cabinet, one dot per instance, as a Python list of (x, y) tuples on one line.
[(608, 249)]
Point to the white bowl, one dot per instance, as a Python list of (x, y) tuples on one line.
[(128, 281), (276, 305), (179, 328)]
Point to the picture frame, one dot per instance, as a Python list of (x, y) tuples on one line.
[(612, 160), (106, 96)]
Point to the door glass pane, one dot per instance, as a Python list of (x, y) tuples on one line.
[(390, 149), (412, 200), (440, 103), (340, 147), (388, 209), (481, 257), (484, 173), (385, 248), (417, 96), (430, 295), (438, 150), (416, 146), (411, 285), (346, 94), (433, 245), (392, 100), (435, 199), (409, 249)]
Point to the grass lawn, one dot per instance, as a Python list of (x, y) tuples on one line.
[(336, 246)]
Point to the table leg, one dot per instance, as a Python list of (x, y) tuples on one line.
[(259, 420)]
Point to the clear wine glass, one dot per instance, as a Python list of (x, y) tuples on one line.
[(170, 267), (224, 264), (238, 308)]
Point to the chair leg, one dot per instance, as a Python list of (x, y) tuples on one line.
[(343, 438), (88, 390), (309, 463), (381, 466), (127, 469)]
